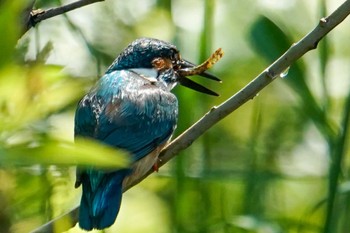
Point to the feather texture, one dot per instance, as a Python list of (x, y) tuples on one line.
[(125, 110)]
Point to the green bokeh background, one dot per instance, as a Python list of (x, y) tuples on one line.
[(280, 163)]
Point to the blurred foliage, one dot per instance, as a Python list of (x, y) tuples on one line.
[(278, 164), (33, 95)]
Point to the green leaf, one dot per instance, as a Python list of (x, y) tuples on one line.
[(10, 15), (271, 42), (83, 152)]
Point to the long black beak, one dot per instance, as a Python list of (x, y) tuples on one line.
[(187, 67)]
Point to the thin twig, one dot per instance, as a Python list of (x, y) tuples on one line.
[(297, 50), (36, 16)]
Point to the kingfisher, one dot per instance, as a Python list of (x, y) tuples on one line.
[(131, 108)]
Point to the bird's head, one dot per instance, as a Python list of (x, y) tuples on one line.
[(161, 60)]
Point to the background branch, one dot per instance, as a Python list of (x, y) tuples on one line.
[(297, 50), (36, 16)]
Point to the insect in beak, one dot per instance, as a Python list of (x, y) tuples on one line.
[(187, 68)]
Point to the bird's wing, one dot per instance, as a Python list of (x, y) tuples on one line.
[(127, 111)]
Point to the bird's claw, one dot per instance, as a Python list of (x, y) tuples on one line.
[(156, 166)]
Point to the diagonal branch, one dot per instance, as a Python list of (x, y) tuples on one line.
[(296, 51), (36, 16)]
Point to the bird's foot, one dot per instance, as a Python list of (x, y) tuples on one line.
[(156, 166)]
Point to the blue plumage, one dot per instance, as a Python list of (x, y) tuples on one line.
[(131, 107), (128, 112)]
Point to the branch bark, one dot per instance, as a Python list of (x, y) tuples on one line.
[(296, 51), (36, 16)]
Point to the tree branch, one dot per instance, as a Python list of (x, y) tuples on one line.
[(297, 50), (36, 16)]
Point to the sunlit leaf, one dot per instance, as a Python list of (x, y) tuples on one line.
[(82, 152)]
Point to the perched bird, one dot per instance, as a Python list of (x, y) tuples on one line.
[(131, 107)]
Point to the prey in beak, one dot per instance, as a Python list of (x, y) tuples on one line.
[(184, 68)]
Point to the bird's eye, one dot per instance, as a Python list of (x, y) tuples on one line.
[(174, 56), (175, 59), (177, 56)]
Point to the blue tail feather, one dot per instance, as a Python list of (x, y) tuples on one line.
[(101, 199)]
